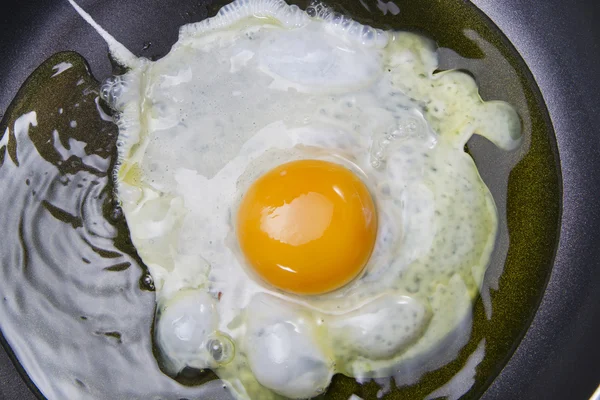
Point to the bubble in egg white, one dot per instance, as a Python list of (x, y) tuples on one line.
[(382, 327), (184, 327), (308, 60), (282, 349)]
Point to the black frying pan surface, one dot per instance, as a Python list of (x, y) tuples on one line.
[(558, 357)]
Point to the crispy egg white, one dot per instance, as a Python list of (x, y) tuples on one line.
[(262, 84)]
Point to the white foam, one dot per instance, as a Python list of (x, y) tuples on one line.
[(4, 140), (288, 16), (464, 379), (390, 7), (21, 127), (60, 68)]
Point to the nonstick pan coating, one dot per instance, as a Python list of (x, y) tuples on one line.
[(560, 42)]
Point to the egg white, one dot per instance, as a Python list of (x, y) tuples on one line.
[(261, 84)]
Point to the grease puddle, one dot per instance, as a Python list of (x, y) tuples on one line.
[(76, 304)]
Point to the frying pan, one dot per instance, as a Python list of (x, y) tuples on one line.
[(558, 357)]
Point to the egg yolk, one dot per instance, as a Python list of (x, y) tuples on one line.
[(307, 227)]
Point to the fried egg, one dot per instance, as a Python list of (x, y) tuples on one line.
[(297, 185)]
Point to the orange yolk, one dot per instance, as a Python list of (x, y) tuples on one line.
[(307, 227)]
